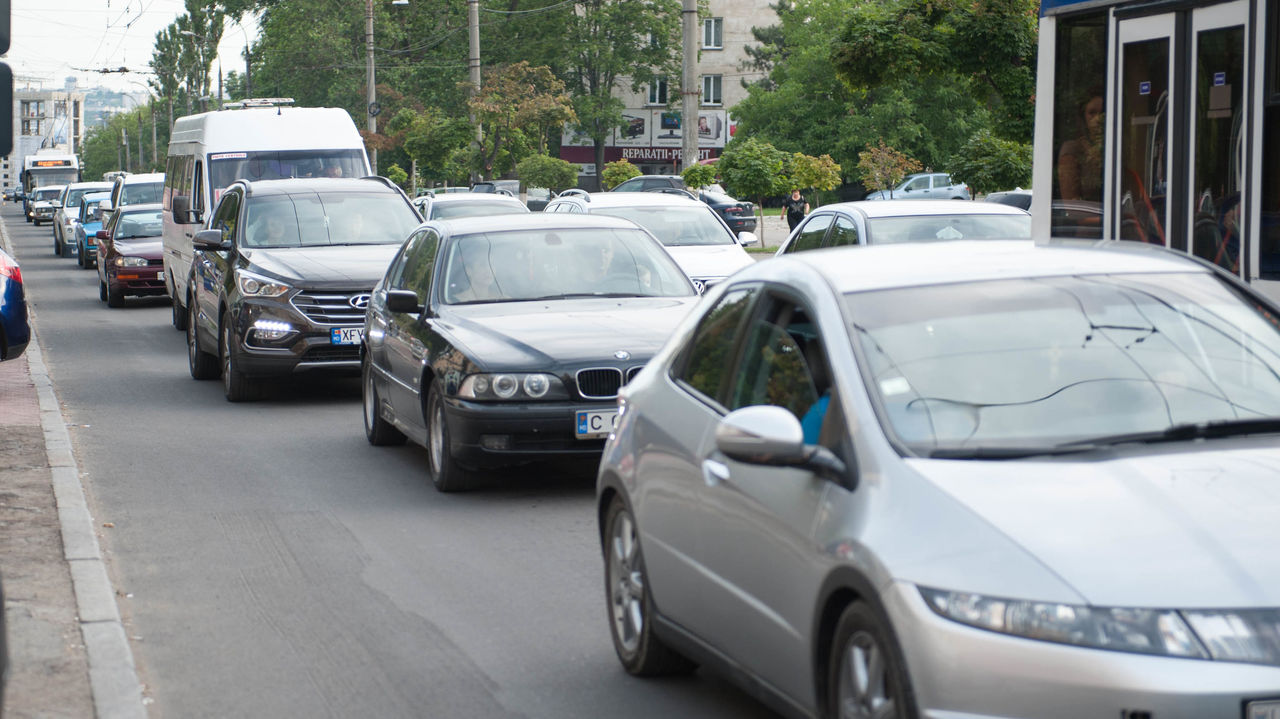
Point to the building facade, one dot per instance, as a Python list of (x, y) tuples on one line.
[(652, 137), (43, 119)]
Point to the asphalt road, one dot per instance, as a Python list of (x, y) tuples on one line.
[(269, 562)]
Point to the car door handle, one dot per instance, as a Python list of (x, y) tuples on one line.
[(714, 472)]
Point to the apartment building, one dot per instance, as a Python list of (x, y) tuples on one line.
[(652, 138), (43, 119)]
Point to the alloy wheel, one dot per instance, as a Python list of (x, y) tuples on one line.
[(436, 438), (864, 682), (626, 584)]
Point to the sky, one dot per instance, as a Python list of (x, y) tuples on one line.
[(52, 40)]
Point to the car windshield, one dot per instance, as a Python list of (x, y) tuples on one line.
[(521, 265), (227, 167), (317, 219), (141, 193), (134, 225), (1045, 361), (49, 194), (448, 210), (935, 228), (676, 225)]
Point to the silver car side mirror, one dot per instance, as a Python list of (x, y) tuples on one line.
[(746, 239), (772, 436)]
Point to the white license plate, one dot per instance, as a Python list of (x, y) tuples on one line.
[(346, 335), (596, 423), (1262, 710)]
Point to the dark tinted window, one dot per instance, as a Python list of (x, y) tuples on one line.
[(227, 215), (706, 365), (844, 233), (417, 262), (142, 193), (809, 235)]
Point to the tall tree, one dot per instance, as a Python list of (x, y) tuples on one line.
[(515, 102)]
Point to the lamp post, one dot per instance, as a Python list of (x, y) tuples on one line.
[(373, 108)]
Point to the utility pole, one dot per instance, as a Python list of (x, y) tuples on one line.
[(124, 139), (473, 62), (372, 93), (689, 90), (142, 153), (155, 157)]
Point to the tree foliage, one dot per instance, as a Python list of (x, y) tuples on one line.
[(617, 172), (814, 173), (549, 172), (517, 102), (988, 163), (881, 167), (696, 176), (755, 169)]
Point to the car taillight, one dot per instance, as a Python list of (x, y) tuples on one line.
[(733, 211), (10, 270)]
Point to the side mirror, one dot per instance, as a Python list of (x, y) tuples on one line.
[(182, 212), (210, 240), (403, 301), (102, 235), (771, 436), (56, 204), (747, 239)]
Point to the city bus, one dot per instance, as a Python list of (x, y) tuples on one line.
[(1159, 121), (49, 168)]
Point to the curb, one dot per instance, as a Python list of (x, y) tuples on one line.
[(113, 677)]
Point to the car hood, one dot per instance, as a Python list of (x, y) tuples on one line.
[(710, 260), (531, 335), (1171, 529), (151, 248), (335, 265)]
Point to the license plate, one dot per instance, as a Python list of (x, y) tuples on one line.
[(160, 275), (346, 335), (1262, 710), (596, 423)]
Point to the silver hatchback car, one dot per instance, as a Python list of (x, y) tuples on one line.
[(970, 479)]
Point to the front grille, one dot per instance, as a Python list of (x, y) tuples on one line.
[(599, 382), (155, 263), (333, 308), (631, 373), (334, 353)]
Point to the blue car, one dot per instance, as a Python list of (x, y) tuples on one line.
[(88, 223), (15, 333)]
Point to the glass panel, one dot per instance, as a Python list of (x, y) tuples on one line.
[(711, 351), (844, 233), (810, 236), (1080, 69), (1269, 244), (1218, 161), (1144, 134)]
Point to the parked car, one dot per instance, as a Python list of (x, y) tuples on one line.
[(696, 237), (130, 254), (44, 202), (889, 222), (498, 340), (488, 186), (67, 214), (93, 210), (925, 186), (739, 215), (15, 330), (1016, 197), (448, 206), (961, 479), (281, 279)]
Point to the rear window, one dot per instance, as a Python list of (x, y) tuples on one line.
[(449, 210), (676, 225), (142, 193), (939, 228)]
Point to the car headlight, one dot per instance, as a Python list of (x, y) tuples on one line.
[(512, 385), (252, 285), (1238, 635), (1145, 631), (130, 262)]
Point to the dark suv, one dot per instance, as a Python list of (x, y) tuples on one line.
[(740, 216), (280, 280)]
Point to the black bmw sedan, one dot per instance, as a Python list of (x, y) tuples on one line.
[(500, 340)]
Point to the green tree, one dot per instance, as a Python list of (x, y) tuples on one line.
[(617, 172), (696, 176), (396, 174), (882, 167), (515, 102), (607, 40), (755, 169), (987, 163), (815, 173), (550, 172)]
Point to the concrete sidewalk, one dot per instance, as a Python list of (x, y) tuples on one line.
[(68, 653)]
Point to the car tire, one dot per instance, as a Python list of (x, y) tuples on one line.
[(377, 430), (237, 386), (102, 289), (202, 364), (58, 248), (866, 675), (179, 318), (630, 603), (115, 298), (446, 474)]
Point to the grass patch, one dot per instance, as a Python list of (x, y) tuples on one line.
[(760, 250)]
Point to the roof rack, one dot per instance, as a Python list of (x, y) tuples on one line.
[(252, 102), (575, 192)]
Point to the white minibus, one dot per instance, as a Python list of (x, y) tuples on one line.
[(259, 139)]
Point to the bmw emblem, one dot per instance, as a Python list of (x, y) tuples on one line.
[(622, 355), (359, 302)]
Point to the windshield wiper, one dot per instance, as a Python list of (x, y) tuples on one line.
[(1183, 432), (998, 452), (580, 295)]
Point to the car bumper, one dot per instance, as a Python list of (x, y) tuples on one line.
[(741, 224), (309, 348), (961, 672), (137, 280), (484, 434)]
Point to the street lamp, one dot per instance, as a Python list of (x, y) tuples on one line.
[(373, 107)]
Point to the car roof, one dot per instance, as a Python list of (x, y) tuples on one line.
[(90, 185), (145, 207), (475, 197), (141, 177), (878, 267), (909, 208), (531, 221), (634, 199), (293, 185)]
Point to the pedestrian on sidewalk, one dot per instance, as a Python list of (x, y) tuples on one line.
[(797, 207)]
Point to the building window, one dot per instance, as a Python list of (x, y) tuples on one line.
[(658, 91), (711, 90), (713, 33)]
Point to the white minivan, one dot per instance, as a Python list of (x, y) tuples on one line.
[(259, 139)]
